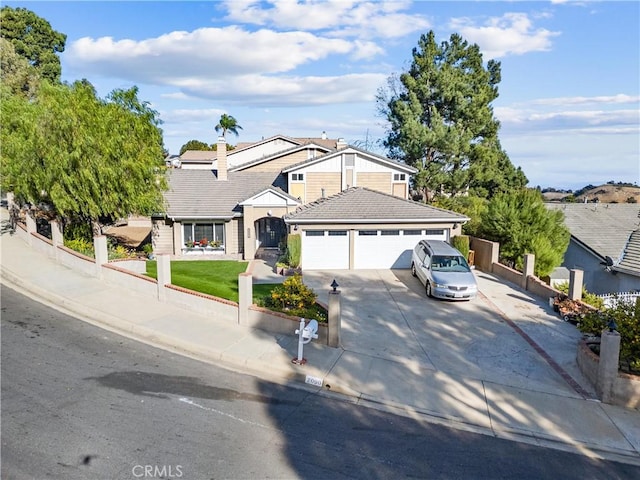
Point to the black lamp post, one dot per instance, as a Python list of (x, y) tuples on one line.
[(612, 325), (334, 285)]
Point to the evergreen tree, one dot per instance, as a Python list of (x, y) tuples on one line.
[(34, 39), (441, 121), (520, 223)]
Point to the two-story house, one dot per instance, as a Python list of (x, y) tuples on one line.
[(350, 206)]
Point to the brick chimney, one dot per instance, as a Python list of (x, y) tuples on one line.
[(221, 156)]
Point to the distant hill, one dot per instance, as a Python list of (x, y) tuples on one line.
[(608, 193)]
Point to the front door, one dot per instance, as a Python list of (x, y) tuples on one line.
[(270, 231)]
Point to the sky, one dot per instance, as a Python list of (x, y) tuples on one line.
[(568, 100)]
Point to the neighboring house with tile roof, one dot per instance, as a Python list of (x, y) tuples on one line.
[(605, 244), (247, 203), (251, 152)]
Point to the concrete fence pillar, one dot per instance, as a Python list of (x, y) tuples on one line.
[(101, 252), (335, 319), (575, 284), (31, 226), (528, 269), (608, 365), (163, 262), (245, 297), (57, 236)]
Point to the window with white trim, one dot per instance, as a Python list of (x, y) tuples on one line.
[(399, 177), (193, 233), (297, 177)]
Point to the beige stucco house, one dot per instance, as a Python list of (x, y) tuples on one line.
[(350, 206)]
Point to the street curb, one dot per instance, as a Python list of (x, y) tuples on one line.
[(277, 374), (147, 336)]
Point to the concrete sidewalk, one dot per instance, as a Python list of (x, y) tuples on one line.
[(560, 416)]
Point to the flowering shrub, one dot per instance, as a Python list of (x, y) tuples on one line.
[(295, 298)]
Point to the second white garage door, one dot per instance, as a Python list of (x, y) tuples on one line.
[(389, 248)]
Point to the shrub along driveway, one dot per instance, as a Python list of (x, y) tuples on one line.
[(387, 315)]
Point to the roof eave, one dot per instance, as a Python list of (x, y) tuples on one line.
[(373, 220)]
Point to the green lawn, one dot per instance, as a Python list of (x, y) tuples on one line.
[(218, 278)]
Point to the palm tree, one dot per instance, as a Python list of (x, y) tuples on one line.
[(228, 124)]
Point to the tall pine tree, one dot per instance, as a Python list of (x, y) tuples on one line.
[(441, 121)]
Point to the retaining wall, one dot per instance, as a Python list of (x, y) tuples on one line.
[(76, 261), (277, 322), (626, 388), (115, 274)]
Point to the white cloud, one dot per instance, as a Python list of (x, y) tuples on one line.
[(203, 52), (608, 99), (510, 34), (343, 18), (608, 121), (280, 91)]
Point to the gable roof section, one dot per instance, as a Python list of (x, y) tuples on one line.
[(630, 262), (349, 149), (359, 204), (246, 145), (271, 196), (329, 143), (199, 194), (604, 229), (279, 154)]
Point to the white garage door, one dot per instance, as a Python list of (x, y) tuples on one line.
[(390, 248), (325, 249)]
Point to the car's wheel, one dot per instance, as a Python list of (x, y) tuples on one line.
[(413, 269), (427, 288)]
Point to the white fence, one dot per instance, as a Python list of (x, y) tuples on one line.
[(612, 299)]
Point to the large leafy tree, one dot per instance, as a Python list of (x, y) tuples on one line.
[(34, 39), (227, 123), (87, 158), (441, 121), (520, 223)]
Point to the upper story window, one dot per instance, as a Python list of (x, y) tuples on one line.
[(399, 177), (350, 160), (297, 177)]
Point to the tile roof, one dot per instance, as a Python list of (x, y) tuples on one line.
[(198, 193), (602, 228), (630, 262), (362, 204), (198, 155), (325, 142), (295, 148)]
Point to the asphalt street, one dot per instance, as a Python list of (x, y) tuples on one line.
[(81, 402)]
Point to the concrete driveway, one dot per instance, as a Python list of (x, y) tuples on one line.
[(386, 315)]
